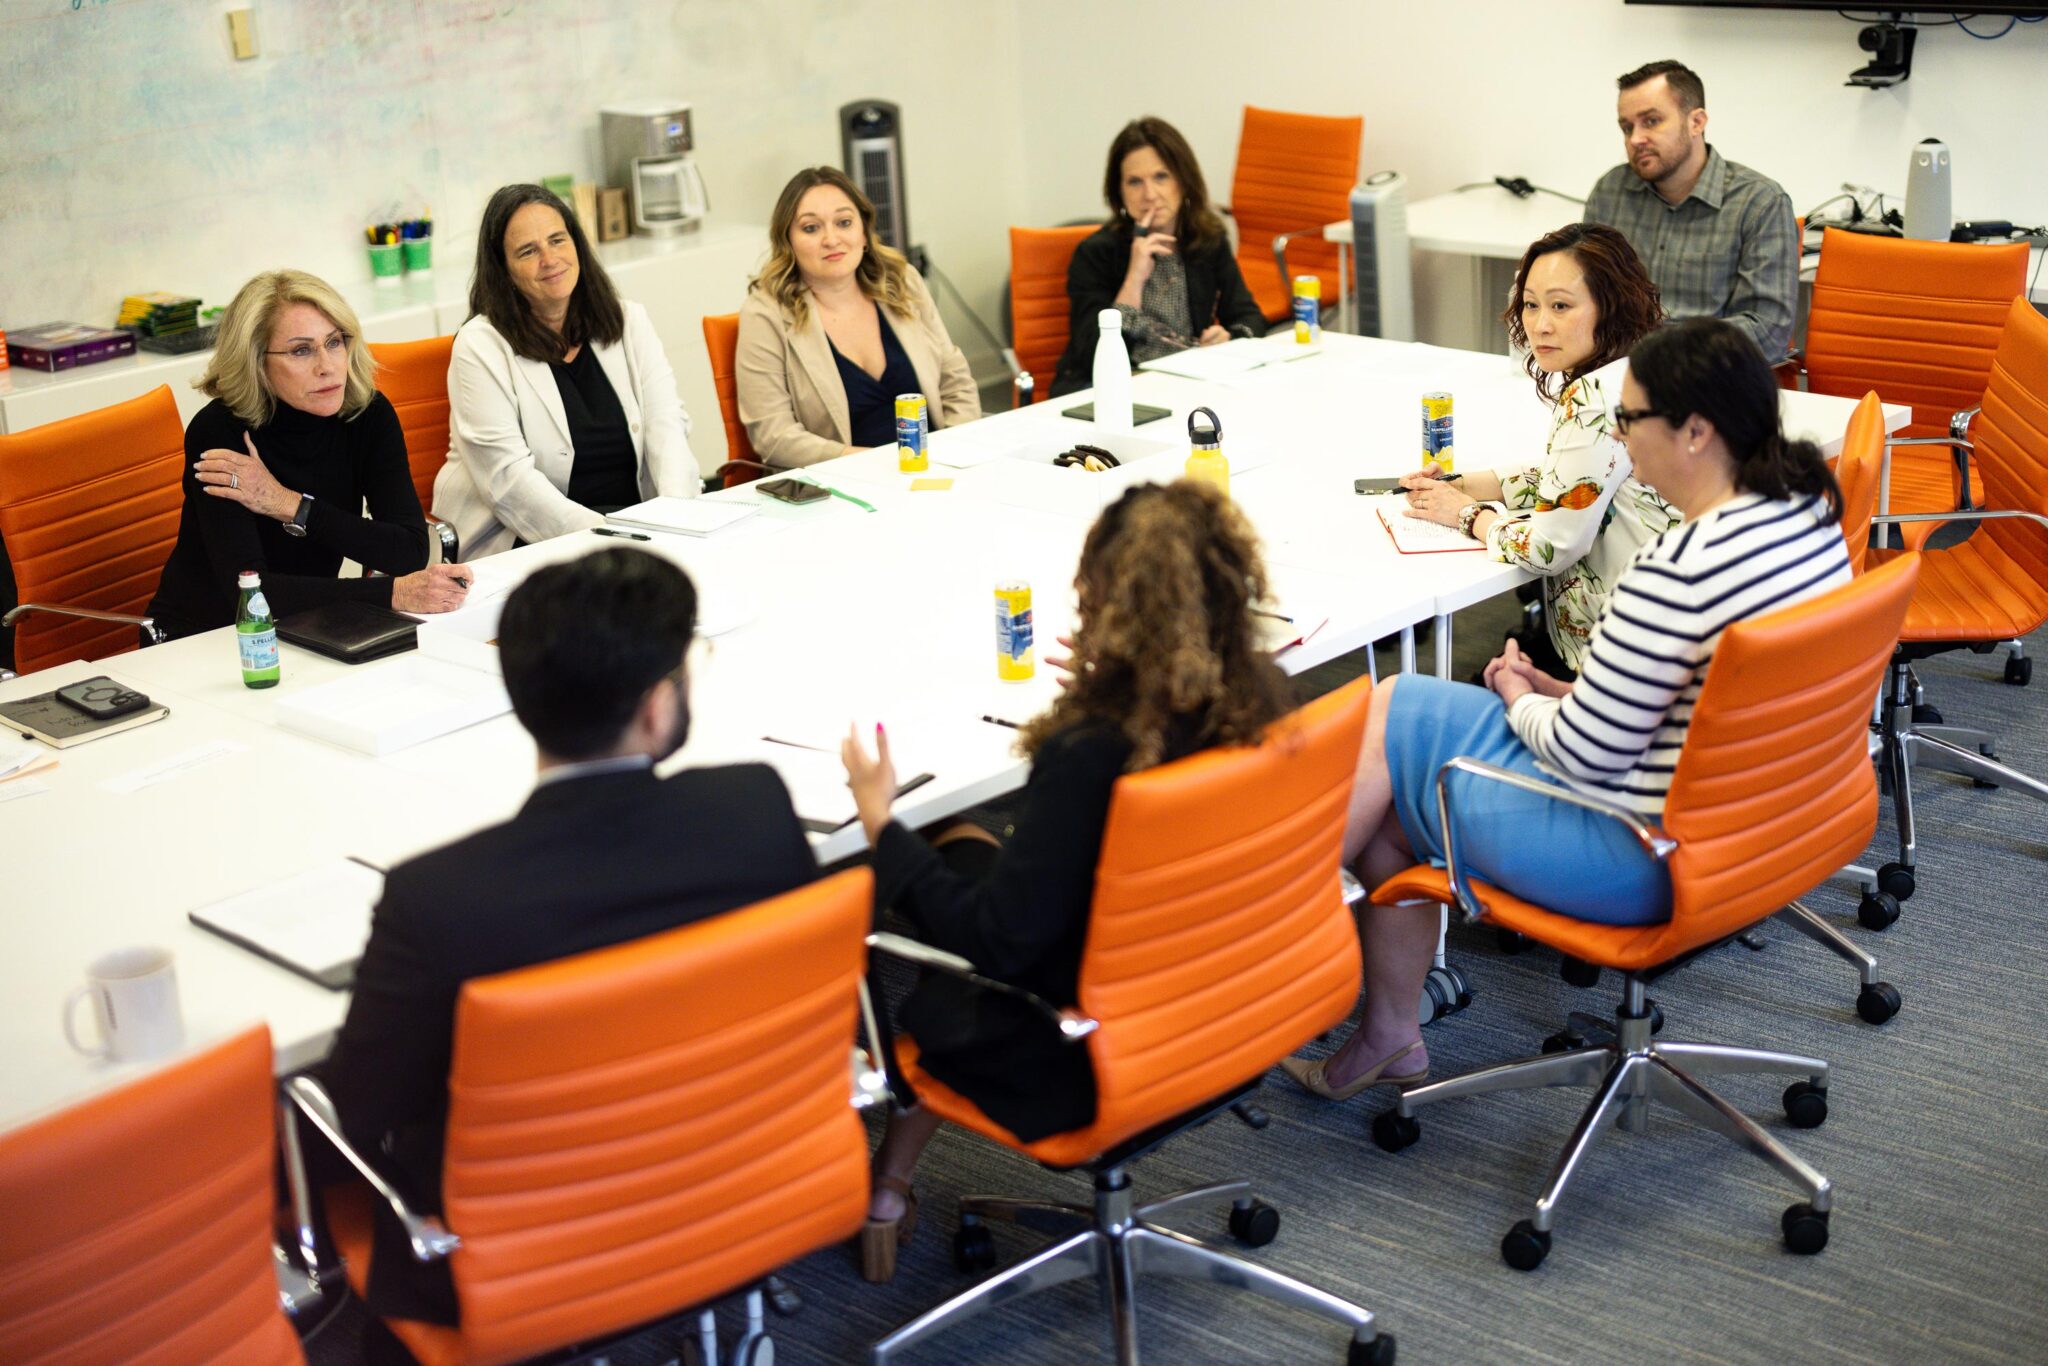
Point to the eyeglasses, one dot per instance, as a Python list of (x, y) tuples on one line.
[(302, 354), (1622, 417)]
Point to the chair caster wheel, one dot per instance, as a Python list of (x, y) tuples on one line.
[(1443, 991), (1252, 1115), (1896, 881), (1378, 1352), (1806, 1105), (974, 1247), (2019, 672), (1393, 1131), (1525, 1246), (1564, 1041), (1877, 1002), (1656, 1018), (782, 1296), (1578, 972), (1924, 715), (1511, 942), (1806, 1230), (1255, 1224), (758, 1351), (1877, 910)]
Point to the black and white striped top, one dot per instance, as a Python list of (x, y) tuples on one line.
[(1618, 732)]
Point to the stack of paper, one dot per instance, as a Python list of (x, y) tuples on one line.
[(683, 516), (398, 704), (315, 923), (1232, 358)]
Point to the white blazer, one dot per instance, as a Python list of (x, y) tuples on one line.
[(509, 455)]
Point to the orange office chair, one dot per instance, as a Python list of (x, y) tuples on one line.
[(414, 376), (1774, 791), (1982, 592), (1294, 174), (1918, 322), (89, 511), (138, 1223), (639, 1129), (1218, 942), (1039, 309), (722, 345)]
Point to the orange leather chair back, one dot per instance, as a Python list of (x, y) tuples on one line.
[(414, 376), (1916, 321), (638, 1129), (1294, 174), (2011, 459), (1218, 939), (137, 1225), (722, 345), (89, 510), (1857, 470), (1039, 308)]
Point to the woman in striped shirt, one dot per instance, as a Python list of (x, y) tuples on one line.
[(1699, 411)]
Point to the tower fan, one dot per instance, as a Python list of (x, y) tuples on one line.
[(871, 143), (1383, 288)]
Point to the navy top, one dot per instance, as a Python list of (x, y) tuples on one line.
[(871, 401), (605, 475)]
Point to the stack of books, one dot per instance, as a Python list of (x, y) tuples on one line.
[(61, 346), (165, 322)]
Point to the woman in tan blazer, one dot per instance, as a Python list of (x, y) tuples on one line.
[(834, 328)]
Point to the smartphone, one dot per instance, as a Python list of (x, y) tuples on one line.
[(1375, 486), (792, 490), (101, 698), (1141, 413)]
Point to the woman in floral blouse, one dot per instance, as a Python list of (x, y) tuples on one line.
[(1577, 516)]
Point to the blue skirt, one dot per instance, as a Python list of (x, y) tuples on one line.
[(1563, 858)]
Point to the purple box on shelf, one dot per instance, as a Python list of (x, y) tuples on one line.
[(62, 346)]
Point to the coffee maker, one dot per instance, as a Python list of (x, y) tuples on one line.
[(647, 150)]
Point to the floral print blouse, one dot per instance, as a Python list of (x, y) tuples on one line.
[(1579, 516)]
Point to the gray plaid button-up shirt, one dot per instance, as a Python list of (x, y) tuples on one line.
[(1729, 250)]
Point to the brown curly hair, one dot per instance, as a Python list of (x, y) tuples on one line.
[(1623, 293), (1169, 577)]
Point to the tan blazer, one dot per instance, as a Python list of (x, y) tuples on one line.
[(790, 395)]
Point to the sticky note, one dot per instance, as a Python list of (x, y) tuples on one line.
[(930, 485)]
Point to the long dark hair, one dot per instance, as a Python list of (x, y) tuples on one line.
[(1624, 296), (594, 311), (1198, 226), (1711, 368), (1169, 579)]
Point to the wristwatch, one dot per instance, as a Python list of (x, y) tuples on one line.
[(1467, 515), (297, 525)]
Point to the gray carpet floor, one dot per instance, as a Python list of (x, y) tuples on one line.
[(1667, 1247)]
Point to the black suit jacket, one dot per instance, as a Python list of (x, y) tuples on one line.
[(1216, 293), (588, 862)]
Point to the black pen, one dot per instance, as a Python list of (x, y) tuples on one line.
[(622, 535), (999, 721)]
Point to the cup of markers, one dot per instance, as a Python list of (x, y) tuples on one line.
[(399, 247)]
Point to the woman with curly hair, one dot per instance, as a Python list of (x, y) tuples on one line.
[(1166, 662), (1577, 516), (834, 328)]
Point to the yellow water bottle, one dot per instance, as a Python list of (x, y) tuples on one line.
[(1205, 459)]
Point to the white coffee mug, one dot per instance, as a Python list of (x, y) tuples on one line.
[(134, 994)]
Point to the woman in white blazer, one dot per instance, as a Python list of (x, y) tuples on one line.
[(561, 405)]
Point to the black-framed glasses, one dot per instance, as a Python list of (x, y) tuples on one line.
[(335, 345), (1621, 417)]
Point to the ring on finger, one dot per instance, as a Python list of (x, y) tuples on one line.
[(234, 481)]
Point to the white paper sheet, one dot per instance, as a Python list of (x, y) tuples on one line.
[(317, 920), (176, 766), (684, 516)]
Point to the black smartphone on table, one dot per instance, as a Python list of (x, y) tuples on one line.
[(1376, 486), (102, 698), (793, 490), (1141, 413)]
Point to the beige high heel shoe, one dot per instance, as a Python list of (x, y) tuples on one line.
[(1313, 1077), (879, 1238)]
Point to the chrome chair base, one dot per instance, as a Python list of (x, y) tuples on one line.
[(1116, 1242), (1628, 1071)]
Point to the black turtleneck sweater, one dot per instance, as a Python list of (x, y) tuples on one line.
[(344, 464)]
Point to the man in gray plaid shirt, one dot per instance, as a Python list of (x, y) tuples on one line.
[(1719, 239)]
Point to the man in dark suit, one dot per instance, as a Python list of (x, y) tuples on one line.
[(603, 851)]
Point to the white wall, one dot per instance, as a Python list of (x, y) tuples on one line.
[(1461, 90)]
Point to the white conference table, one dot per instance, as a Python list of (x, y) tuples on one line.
[(844, 615)]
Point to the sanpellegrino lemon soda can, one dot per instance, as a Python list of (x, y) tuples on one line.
[(1308, 310), (1436, 431), (912, 457), (1014, 662)]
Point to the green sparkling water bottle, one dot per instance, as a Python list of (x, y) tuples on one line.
[(256, 633)]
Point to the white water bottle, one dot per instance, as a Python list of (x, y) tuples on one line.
[(1112, 374)]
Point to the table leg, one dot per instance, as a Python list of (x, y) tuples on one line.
[(1443, 646), (1407, 649)]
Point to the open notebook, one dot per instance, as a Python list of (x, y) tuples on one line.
[(1413, 536), (683, 516), (314, 923)]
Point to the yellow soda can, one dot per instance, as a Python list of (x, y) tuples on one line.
[(1437, 443), (1014, 662), (911, 431), (1308, 309)]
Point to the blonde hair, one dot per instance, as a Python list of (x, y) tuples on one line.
[(1169, 580), (235, 375), (884, 272)]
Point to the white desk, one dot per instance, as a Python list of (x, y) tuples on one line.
[(852, 614)]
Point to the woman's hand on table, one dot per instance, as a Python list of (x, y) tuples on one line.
[(1215, 334), (242, 477), (1435, 500), (871, 778), (437, 588)]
